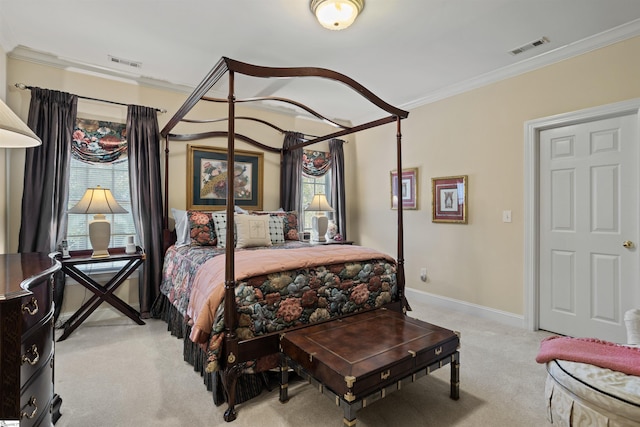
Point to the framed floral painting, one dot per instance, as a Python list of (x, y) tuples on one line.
[(207, 178)]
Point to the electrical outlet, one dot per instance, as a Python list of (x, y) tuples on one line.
[(423, 274)]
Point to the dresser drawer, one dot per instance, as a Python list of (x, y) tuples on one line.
[(36, 348), (35, 398), (36, 306)]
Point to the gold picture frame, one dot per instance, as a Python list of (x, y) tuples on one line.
[(449, 199), (408, 185), (207, 178)]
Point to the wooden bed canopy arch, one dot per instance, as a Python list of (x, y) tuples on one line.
[(230, 67)]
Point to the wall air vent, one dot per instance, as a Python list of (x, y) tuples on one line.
[(529, 46), (127, 62)]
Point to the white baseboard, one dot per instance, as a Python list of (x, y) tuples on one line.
[(499, 316)]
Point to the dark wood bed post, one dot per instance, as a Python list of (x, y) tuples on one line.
[(166, 233), (165, 223), (232, 369), (400, 272)]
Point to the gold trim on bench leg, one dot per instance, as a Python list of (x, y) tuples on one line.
[(349, 397), (348, 423)]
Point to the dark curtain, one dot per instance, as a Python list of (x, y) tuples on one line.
[(52, 116), (291, 173), (43, 224), (338, 199), (146, 198)]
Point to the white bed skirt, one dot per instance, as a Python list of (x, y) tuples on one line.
[(579, 395)]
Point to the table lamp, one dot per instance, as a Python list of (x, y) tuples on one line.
[(14, 133), (98, 201), (319, 222)]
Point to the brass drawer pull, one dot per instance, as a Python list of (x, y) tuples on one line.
[(36, 356), (33, 302), (385, 375), (32, 402), (438, 351)]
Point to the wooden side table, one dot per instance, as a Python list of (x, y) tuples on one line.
[(102, 293)]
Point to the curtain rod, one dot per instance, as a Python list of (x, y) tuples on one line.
[(22, 86)]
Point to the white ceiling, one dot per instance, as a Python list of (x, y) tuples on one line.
[(408, 52)]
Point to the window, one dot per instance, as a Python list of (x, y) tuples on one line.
[(311, 186), (114, 176), (316, 179), (99, 157)]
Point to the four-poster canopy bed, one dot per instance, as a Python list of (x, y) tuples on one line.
[(232, 302)]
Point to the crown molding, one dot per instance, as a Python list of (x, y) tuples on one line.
[(24, 53), (606, 38)]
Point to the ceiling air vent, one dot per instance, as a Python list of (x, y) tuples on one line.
[(127, 62), (529, 46)]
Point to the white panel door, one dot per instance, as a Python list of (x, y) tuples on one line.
[(588, 210)]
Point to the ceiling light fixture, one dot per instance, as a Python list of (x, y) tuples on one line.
[(336, 14)]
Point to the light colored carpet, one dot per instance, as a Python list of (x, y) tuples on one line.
[(122, 374)]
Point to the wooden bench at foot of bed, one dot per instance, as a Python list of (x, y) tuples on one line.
[(359, 359)]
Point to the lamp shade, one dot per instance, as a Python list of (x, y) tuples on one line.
[(319, 203), (14, 133), (336, 14), (97, 200)]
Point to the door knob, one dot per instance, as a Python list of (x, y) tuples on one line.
[(627, 244)]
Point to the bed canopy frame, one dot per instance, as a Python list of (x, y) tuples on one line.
[(229, 67)]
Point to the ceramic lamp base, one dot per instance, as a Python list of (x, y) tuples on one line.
[(319, 224), (99, 235)]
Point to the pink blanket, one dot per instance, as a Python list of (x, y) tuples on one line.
[(592, 351), (208, 285)]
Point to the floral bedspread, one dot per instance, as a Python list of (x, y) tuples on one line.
[(275, 302), (181, 265)]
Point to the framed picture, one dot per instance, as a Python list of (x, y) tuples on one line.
[(405, 189), (207, 178), (449, 200)]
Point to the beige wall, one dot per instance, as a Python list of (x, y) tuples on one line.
[(480, 134)]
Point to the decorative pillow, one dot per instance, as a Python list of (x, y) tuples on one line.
[(289, 219), (276, 229), (252, 230), (220, 225), (201, 228), (183, 237), (290, 225)]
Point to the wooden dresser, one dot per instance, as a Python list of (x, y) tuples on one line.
[(27, 339)]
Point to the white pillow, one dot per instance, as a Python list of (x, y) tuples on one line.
[(252, 230), (182, 227)]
